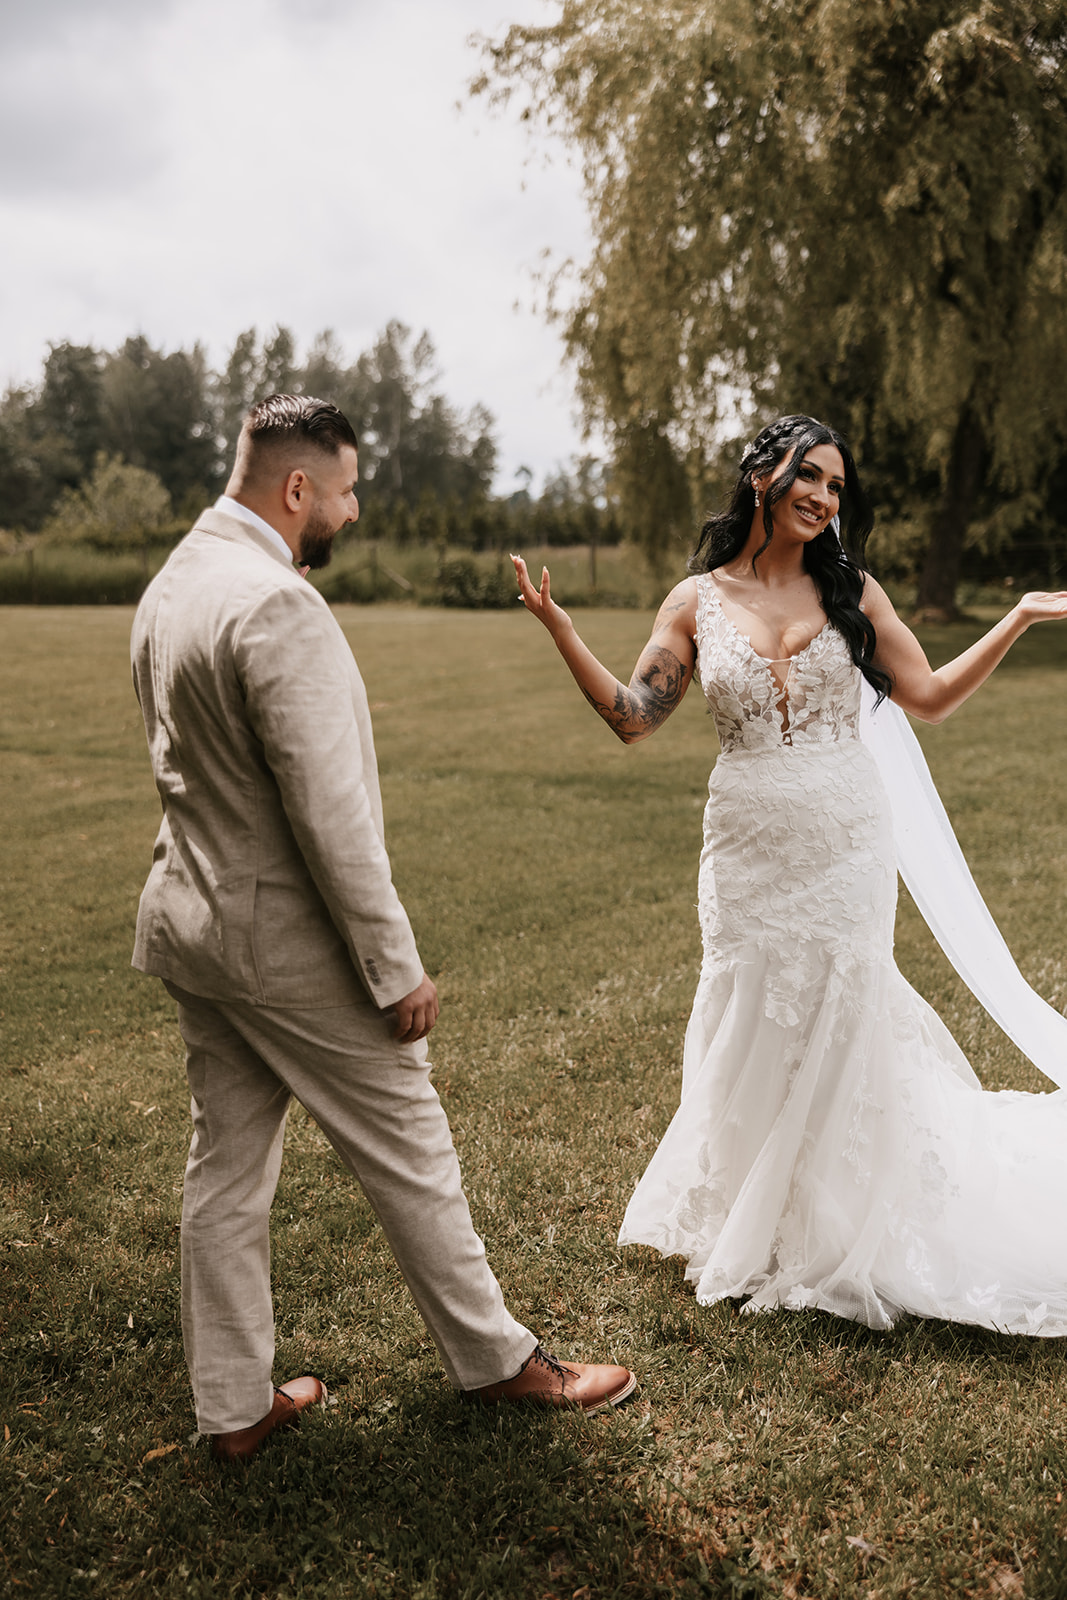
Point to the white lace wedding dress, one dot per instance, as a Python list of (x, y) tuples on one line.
[(833, 1148)]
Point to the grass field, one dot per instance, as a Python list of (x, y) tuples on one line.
[(550, 875)]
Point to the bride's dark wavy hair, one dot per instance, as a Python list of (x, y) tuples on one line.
[(836, 564)]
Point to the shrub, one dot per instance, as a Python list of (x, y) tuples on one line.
[(461, 583)]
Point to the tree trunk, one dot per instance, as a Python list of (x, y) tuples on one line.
[(940, 575)]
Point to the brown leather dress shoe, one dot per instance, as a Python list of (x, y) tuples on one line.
[(292, 1398), (549, 1382)]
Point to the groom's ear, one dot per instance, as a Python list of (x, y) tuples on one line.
[(295, 491)]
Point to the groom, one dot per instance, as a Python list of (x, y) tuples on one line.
[(271, 916)]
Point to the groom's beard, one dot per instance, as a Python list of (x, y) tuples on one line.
[(316, 542)]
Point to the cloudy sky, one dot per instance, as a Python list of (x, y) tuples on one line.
[(189, 168)]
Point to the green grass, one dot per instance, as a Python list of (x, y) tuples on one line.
[(551, 878)]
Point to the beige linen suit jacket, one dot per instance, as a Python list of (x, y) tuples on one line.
[(270, 881)]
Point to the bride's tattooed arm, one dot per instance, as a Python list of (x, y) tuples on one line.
[(663, 669), (658, 683)]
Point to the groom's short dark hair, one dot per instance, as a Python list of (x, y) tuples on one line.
[(297, 419)]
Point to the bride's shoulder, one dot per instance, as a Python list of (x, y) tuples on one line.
[(677, 615), (874, 598), (682, 600)]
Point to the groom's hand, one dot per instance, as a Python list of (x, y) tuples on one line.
[(417, 1012)]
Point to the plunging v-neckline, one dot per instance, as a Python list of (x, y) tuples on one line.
[(783, 704), (768, 661)]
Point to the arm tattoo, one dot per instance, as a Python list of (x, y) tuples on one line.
[(666, 613), (655, 689)]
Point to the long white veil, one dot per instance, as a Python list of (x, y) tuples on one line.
[(939, 880)]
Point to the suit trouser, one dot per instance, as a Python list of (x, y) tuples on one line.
[(374, 1101)]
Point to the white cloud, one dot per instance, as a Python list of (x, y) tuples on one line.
[(214, 164)]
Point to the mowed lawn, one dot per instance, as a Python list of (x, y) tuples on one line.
[(550, 875)]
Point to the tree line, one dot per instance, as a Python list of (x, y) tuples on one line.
[(857, 211), (121, 449)]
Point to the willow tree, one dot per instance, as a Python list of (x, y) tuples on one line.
[(854, 209)]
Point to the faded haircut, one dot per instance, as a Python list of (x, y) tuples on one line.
[(287, 424)]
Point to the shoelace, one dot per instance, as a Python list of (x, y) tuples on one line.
[(543, 1359)]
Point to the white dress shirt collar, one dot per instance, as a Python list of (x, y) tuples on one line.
[(234, 508)]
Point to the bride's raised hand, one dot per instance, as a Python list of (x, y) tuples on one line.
[(1039, 606), (539, 601), (933, 694)]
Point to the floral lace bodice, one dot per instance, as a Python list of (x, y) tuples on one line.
[(818, 704)]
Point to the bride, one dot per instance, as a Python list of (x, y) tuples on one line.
[(832, 1148)]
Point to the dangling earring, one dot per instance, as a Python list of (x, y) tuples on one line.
[(757, 499)]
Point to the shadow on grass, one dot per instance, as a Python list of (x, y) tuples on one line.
[(429, 1497), (405, 1491)]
